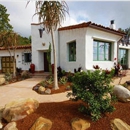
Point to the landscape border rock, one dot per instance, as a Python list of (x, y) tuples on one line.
[(19, 109)]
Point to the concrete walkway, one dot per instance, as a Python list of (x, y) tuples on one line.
[(23, 89), (122, 79)]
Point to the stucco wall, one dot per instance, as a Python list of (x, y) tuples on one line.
[(100, 35), (84, 48), (65, 37), (39, 46)]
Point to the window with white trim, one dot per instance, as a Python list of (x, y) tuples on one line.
[(26, 57)]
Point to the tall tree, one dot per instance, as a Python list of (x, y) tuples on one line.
[(4, 19), (51, 14), (126, 38), (9, 39)]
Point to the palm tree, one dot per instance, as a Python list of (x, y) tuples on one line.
[(9, 40), (51, 14)]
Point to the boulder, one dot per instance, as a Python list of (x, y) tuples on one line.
[(42, 124), (48, 91), (2, 81), (1, 125), (19, 109), (41, 90), (128, 87), (122, 93), (10, 126), (35, 88), (79, 124), (118, 124), (2, 75), (1, 111)]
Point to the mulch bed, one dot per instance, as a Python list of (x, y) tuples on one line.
[(62, 88), (61, 114)]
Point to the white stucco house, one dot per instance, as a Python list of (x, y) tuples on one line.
[(82, 45)]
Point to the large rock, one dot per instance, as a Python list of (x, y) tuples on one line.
[(48, 91), (1, 125), (10, 126), (42, 124), (41, 90), (2, 81), (2, 75), (118, 124), (1, 111), (122, 93), (80, 124), (19, 109)]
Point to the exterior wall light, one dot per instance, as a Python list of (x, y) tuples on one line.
[(41, 31)]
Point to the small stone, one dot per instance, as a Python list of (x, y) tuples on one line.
[(42, 124), (2, 81), (41, 89), (118, 124), (48, 91), (2, 75), (10, 126), (80, 124), (1, 125), (35, 88)]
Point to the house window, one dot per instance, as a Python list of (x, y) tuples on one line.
[(72, 51), (27, 57), (123, 56), (101, 51)]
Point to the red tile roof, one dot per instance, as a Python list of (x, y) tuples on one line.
[(18, 47), (91, 25)]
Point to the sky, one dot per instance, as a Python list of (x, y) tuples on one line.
[(99, 12)]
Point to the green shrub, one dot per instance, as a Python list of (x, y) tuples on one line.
[(43, 83), (25, 75), (60, 72), (49, 80), (63, 80), (8, 76), (70, 76), (90, 87)]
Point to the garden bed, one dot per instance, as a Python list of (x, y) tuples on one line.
[(61, 114)]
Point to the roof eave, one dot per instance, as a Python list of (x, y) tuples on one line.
[(109, 30)]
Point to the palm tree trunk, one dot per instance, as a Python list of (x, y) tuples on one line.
[(55, 62)]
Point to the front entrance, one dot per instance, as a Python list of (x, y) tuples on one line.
[(46, 63)]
